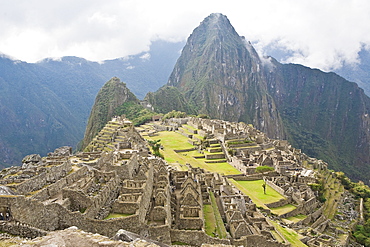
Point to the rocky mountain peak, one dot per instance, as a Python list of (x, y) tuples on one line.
[(220, 74)]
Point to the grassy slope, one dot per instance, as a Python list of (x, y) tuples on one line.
[(289, 234)]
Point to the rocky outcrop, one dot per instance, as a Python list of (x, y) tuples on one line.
[(112, 95), (74, 237), (220, 75)]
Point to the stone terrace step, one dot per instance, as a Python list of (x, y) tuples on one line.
[(214, 150), (216, 161)]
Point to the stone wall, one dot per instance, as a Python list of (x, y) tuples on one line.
[(58, 186), (190, 223), (108, 192), (242, 177), (147, 195), (19, 229), (240, 145), (275, 187), (55, 217), (294, 212), (280, 203), (215, 156), (51, 175), (160, 233), (185, 134), (258, 241), (78, 200), (125, 207), (195, 238)]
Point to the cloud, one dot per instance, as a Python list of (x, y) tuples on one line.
[(145, 57), (321, 34)]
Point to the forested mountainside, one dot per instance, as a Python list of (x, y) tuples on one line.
[(220, 74), (46, 105), (113, 94)]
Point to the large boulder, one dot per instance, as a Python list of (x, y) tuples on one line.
[(32, 158), (61, 152)]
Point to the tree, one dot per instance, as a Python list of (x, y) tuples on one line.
[(263, 169), (155, 145), (264, 187)]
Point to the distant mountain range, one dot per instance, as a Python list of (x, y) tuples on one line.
[(220, 74), (46, 105)]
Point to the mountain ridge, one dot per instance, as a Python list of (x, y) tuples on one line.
[(222, 76), (54, 96)]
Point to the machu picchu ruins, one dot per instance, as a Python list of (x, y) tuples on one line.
[(117, 185)]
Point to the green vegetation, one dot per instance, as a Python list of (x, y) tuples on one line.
[(362, 232), (254, 190), (295, 219), (135, 113), (169, 98), (320, 188), (220, 226), (290, 235), (360, 190), (263, 169), (113, 94), (209, 220), (283, 209), (174, 114), (332, 192), (238, 142), (174, 141), (156, 145)]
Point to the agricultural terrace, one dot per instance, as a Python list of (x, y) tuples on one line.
[(175, 141)]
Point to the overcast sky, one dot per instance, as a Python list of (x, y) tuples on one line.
[(319, 33)]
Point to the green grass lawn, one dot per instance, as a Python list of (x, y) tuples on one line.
[(220, 226), (209, 220), (214, 226), (295, 219), (283, 210), (172, 140), (289, 234), (189, 127), (254, 190), (277, 236)]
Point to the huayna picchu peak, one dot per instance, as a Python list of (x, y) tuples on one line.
[(220, 74)]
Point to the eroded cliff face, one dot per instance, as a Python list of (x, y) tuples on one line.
[(220, 74), (113, 94)]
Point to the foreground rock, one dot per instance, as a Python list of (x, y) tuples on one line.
[(74, 237)]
